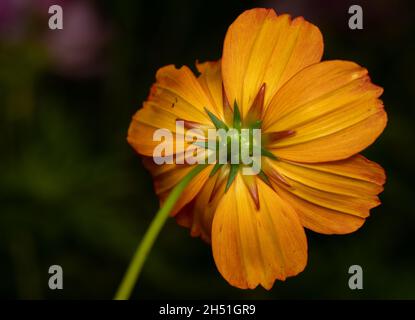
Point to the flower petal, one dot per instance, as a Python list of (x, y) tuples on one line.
[(167, 176), (334, 110), (211, 81), (332, 197), (261, 47), (199, 216), (252, 247), (177, 94), (320, 219)]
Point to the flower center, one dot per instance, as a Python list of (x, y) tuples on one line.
[(239, 143)]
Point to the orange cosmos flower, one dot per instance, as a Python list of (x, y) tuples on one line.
[(315, 118)]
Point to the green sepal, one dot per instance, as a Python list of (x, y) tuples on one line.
[(232, 175), (237, 122), (256, 125), (264, 177), (219, 124), (205, 145), (215, 169), (266, 153)]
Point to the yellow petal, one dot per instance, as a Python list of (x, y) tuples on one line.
[(332, 197), (255, 247), (199, 216), (261, 47), (167, 176), (178, 91), (321, 219), (140, 137), (192, 189), (211, 81), (184, 217), (177, 94), (334, 110)]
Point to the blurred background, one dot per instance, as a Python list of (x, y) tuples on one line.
[(74, 193)]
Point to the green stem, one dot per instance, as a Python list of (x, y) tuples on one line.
[(137, 262)]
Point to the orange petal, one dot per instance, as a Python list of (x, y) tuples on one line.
[(167, 176), (253, 247), (261, 47), (140, 136), (332, 107), (211, 81), (184, 217), (177, 94), (321, 219), (199, 216), (250, 183), (330, 197), (257, 108)]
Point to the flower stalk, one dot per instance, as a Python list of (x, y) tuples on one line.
[(140, 255)]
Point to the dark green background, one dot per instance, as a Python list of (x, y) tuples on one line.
[(73, 192)]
